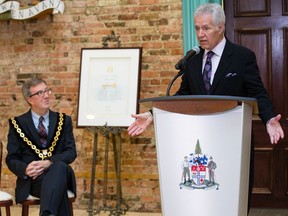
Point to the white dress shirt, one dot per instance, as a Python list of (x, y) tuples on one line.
[(218, 50)]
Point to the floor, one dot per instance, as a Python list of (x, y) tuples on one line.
[(268, 212), (34, 211)]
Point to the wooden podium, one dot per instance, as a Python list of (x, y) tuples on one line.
[(203, 153)]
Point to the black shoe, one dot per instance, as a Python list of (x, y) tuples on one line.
[(46, 213)]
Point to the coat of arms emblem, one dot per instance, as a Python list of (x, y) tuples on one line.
[(198, 171)]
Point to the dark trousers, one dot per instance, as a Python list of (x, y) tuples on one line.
[(52, 187)]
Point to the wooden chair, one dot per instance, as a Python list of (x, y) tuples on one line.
[(5, 198), (31, 200)]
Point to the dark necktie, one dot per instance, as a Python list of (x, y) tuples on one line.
[(208, 71), (42, 132)]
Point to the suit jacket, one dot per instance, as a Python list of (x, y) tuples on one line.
[(20, 154), (237, 75)]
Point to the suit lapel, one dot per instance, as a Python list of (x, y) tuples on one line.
[(28, 127), (224, 63), (198, 72), (52, 125)]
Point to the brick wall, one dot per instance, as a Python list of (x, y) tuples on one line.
[(50, 46)]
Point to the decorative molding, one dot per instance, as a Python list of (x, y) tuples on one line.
[(285, 7), (112, 38), (14, 10), (264, 157), (244, 8)]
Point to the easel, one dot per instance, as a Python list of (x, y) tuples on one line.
[(111, 134)]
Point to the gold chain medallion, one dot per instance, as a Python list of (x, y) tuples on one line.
[(44, 153)]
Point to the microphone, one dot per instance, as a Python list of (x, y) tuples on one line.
[(181, 65), (182, 62)]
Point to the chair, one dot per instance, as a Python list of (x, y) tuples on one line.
[(31, 200), (5, 198)]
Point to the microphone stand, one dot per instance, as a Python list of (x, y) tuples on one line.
[(180, 73)]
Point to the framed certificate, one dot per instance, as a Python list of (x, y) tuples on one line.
[(109, 86)]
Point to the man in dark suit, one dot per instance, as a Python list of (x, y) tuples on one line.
[(234, 72), (231, 69), (40, 151)]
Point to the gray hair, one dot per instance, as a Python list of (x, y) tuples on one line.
[(214, 9), (34, 81)]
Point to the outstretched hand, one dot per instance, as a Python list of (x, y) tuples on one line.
[(274, 129), (142, 121)]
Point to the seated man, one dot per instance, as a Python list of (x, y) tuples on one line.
[(40, 146)]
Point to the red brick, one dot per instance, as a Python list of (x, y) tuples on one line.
[(51, 46)]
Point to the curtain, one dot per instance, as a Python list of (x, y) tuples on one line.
[(188, 8)]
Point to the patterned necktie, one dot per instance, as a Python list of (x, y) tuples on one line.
[(208, 71), (42, 132)]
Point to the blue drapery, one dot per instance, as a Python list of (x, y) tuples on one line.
[(188, 8)]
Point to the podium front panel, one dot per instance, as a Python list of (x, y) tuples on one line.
[(203, 161)]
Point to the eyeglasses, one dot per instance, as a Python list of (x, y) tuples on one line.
[(41, 93)]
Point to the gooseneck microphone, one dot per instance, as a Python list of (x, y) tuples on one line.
[(181, 65), (182, 62)]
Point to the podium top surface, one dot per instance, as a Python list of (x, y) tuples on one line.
[(198, 104)]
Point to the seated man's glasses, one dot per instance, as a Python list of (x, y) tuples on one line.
[(42, 92)]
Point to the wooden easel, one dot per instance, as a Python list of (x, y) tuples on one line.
[(111, 134)]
